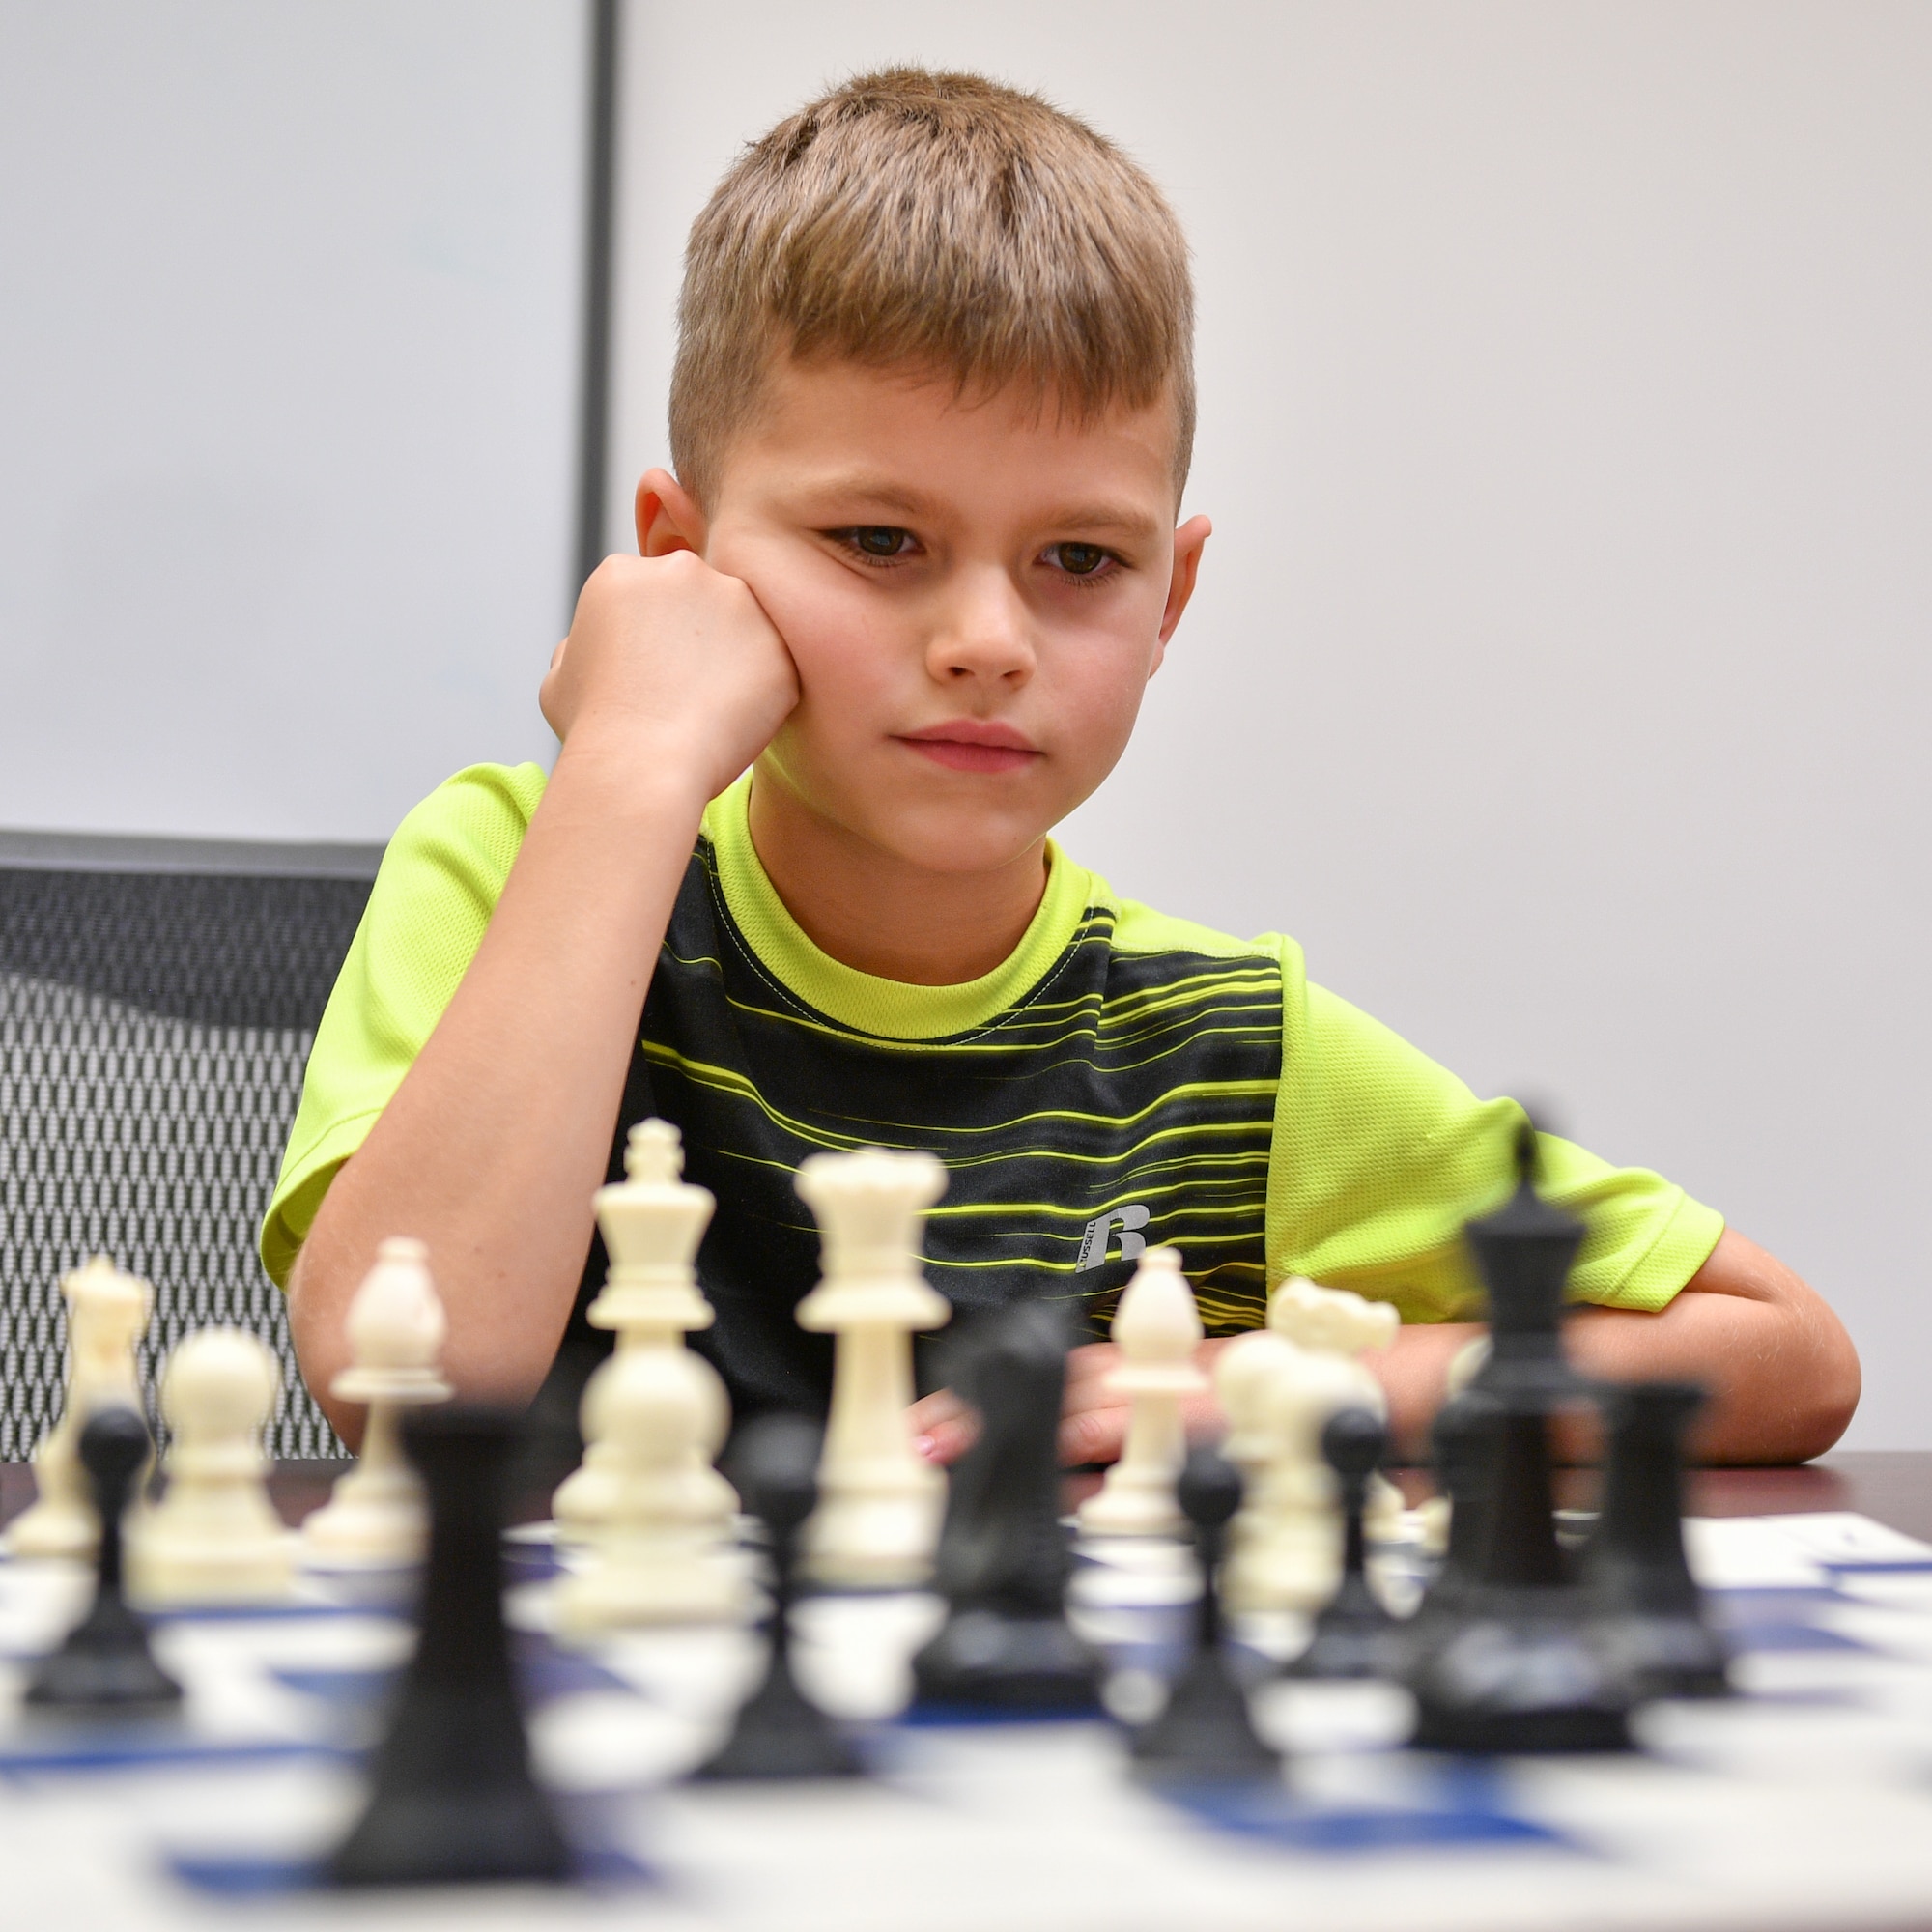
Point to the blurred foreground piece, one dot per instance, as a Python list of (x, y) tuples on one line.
[(1355, 1636), (879, 1501), (1157, 1328), (1003, 1559), (214, 1536), (1636, 1566), (1465, 1438), (1521, 1667), (453, 1799), (652, 1222), (106, 1315), (778, 1732), (105, 1663), (376, 1515), (1279, 1387), (1205, 1734), (655, 1555)]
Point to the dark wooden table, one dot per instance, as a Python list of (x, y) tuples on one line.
[(1895, 1486)]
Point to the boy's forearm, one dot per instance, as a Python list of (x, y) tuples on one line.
[(1781, 1373), (501, 1131)]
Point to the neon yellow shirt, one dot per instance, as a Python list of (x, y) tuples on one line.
[(1124, 1078)]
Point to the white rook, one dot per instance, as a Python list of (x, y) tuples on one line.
[(877, 1520)]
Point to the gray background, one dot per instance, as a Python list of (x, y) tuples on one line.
[(1567, 423), (287, 381)]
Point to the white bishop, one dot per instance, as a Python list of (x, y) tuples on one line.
[(1157, 1328)]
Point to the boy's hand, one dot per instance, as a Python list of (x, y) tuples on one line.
[(670, 666), (1093, 1423)]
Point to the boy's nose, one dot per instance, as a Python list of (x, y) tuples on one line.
[(983, 634)]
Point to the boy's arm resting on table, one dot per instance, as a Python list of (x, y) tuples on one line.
[(1782, 1372), (669, 684)]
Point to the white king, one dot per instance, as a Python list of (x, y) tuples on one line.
[(652, 1222), (877, 1520)]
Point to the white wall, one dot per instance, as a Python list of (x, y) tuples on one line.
[(288, 380), (1558, 671)]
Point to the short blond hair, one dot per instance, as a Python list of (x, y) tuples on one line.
[(935, 221)]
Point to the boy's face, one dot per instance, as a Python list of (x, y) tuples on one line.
[(975, 595)]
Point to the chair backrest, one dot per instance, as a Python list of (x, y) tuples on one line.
[(157, 1002)]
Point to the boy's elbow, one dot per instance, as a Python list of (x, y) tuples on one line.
[(1830, 1395)]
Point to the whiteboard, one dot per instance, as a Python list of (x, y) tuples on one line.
[(289, 378)]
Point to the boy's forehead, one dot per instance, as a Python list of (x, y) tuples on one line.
[(908, 438)]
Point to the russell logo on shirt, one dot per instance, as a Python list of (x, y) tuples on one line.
[(1128, 1221)]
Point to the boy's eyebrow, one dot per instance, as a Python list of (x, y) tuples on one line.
[(881, 494)]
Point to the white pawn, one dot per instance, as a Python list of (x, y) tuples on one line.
[(1278, 1391), (877, 1520), (656, 1558), (215, 1538), (1157, 1328), (652, 1222), (376, 1515), (107, 1313)]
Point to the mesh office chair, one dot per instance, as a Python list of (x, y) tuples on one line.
[(157, 1001)]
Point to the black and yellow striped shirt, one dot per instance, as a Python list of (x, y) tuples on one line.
[(1123, 1079)]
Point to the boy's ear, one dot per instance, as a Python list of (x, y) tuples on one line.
[(1189, 541), (668, 517)]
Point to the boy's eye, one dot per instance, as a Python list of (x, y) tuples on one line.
[(880, 539), (1078, 559)]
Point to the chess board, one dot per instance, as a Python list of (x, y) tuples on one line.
[(1805, 1802)]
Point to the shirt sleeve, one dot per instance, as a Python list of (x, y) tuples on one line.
[(439, 883), (1380, 1155)]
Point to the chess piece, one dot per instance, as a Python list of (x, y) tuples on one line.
[(1157, 1328), (1004, 1559), (376, 1515), (1521, 1667), (107, 1313), (1355, 1636), (214, 1536), (1205, 1734), (1278, 1388), (1434, 1512), (452, 1799), (1649, 1608), (1338, 1322), (652, 1222), (656, 1558), (879, 1502), (106, 1665), (778, 1732), (1464, 1442)]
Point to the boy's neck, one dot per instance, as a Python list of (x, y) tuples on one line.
[(876, 913)]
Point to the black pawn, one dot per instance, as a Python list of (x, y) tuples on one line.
[(1464, 1444), (452, 1799), (1652, 1610), (1205, 1734), (778, 1732), (1354, 1636), (1004, 1559), (106, 1665)]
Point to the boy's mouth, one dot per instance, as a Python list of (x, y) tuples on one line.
[(968, 745)]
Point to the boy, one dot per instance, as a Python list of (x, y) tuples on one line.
[(931, 418)]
